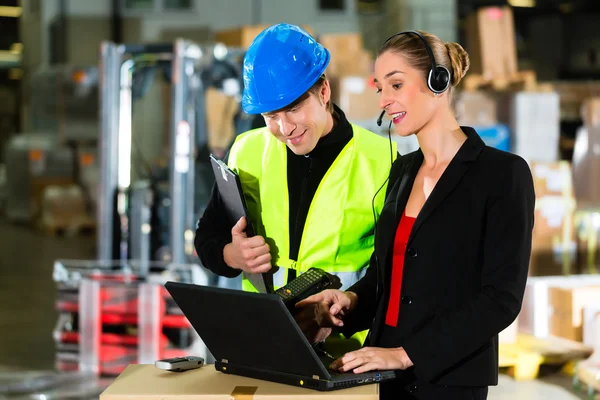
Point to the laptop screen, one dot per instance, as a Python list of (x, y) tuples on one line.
[(253, 330)]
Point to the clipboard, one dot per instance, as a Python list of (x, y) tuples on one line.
[(232, 196)]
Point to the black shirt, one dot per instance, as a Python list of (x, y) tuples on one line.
[(305, 172)]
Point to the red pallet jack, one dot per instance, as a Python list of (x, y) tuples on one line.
[(110, 318)]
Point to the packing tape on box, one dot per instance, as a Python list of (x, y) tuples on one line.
[(243, 393)]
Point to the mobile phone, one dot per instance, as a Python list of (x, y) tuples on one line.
[(178, 364)]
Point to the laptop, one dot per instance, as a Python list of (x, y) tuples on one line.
[(232, 196), (254, 335)]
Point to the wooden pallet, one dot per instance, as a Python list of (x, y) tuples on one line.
[(522, 80), (524, 358)]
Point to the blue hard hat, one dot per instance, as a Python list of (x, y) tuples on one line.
[(281, 64)]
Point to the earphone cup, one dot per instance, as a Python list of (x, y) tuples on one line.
[(439, 80)]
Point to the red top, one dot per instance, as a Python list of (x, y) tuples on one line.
[(400, 243)]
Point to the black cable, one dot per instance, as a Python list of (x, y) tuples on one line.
[(373, 207)]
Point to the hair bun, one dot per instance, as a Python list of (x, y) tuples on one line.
[(459, 62)]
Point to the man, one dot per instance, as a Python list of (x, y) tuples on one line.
[(312, 181)]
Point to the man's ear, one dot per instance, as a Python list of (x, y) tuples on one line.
[(325, 93)]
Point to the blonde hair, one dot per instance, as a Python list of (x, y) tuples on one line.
[(450, 55)]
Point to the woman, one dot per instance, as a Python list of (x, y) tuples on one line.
[(452, 243)]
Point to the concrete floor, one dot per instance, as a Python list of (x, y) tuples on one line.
[(27, 315)]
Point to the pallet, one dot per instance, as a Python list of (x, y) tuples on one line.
[(522, 80), (524, 358)]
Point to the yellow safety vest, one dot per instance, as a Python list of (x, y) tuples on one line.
[(338, 232)]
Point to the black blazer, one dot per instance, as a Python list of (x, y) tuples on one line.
[(465, 267)]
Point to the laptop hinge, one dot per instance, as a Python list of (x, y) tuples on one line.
[(316, 377)]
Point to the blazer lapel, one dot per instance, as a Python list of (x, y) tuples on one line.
[(398, 198), (406, 184), (449, 179)]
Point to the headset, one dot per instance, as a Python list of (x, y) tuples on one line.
[(438, 78)]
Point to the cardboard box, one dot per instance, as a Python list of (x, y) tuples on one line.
[(475, 109), (566, 318), (573, 95), (149, 383), (535, 125), (554, 240), (242, 36), (590, 111), (360, 63), (220, 110), (358, 98), (348, 56), (534, 318), (552, 179), (342, 43), (490, 41)]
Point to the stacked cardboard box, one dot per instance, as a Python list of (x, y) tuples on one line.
[(350, 74), (491, 43), (534, 318), (590, 111), (567, 305), (534, 119), (348, 55), (573, 96), (242, 36), (478, 110)]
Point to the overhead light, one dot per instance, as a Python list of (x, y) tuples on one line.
[(10, 12), (522, 3)]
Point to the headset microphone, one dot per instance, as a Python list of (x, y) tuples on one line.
[(380, 119)]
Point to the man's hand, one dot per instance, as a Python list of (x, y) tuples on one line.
[(372, 358), (307, 319), (248, 254), (319, 313)]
